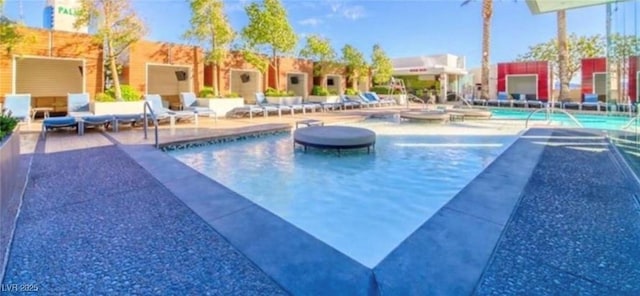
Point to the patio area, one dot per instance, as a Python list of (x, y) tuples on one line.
[(105, 213)]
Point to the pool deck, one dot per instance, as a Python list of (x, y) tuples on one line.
[(107, 213)]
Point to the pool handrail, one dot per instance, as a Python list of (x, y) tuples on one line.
[(630, 122), (147, 107), (526, 124)]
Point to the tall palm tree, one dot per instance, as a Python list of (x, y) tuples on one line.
[(563, 54), (487, 13)]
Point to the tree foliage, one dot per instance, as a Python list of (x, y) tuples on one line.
[(579, 47), (210, 27), (10, 35), (355, 63), (381, 65), (321, 52), (622, 46), (117, 27), (269, 31)]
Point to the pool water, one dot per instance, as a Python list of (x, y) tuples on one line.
[(363, 205), (607, 122)]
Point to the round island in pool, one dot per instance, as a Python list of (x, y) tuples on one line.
[(335, 137), (427, 115), (469, 113)]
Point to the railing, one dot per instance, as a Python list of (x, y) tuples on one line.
[(526, 125), (146, 107), (412, 97), (634, 119)]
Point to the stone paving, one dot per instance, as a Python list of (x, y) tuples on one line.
[(94, 220), (576, 229)]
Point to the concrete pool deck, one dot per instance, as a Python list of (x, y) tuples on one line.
[(510, 231)]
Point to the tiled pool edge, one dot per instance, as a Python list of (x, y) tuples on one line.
[(271, 243), (462, 235), (415, 266)]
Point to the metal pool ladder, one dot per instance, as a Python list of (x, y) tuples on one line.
[(526, 125), (634, 119), (146, 107)]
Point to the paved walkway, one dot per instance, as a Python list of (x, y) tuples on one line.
[(94, 222), (576, 229)]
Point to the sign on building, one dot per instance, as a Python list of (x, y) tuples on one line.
[(60, 15)]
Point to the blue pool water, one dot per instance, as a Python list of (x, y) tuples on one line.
[(363, 205), (606, 122)]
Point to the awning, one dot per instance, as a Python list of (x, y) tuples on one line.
[(544, 6), (437, 70)]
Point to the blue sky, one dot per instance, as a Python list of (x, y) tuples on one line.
[(403, 28)]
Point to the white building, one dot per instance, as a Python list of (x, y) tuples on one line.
[(448, 68), (60, 15)]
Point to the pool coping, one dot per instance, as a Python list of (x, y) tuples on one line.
[(460, 236)]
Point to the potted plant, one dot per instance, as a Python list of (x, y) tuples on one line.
[(221, 104), (321, 94), (281, 97), (105, 103)]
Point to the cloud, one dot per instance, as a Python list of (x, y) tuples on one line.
[(310, 22), (342, 9), (353, 12)]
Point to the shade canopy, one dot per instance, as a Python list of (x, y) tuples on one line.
[(544, 6)]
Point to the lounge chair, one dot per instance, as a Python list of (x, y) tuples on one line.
[(571, 105), (295, 103), (78, 105), (520, 100), (591, 100), (19, 105), (163, 113), (58, 122), (190, 102), (261, 100), (349, 102), (311, 105), (94, 121), (383, 101), (125, 119), (503, 99), (534, 101), (368, 100)]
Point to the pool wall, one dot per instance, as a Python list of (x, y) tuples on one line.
[(446, 255)]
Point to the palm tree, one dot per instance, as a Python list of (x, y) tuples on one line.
[(487, 13), (563, 54)]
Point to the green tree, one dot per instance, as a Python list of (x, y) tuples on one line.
[(321, 52), (381, 65), (117, 27), (356, 65), (487, 14), (210, 26), (620, 49), (578, 47), (10, 35), (269, 31)]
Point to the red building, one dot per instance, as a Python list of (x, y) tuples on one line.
[(594, 77), (530, 79), (633, 78)]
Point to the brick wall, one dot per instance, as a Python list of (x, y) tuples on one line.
[(56, 44)]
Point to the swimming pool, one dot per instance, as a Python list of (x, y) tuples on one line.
[(363, 205), (607, 122)]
